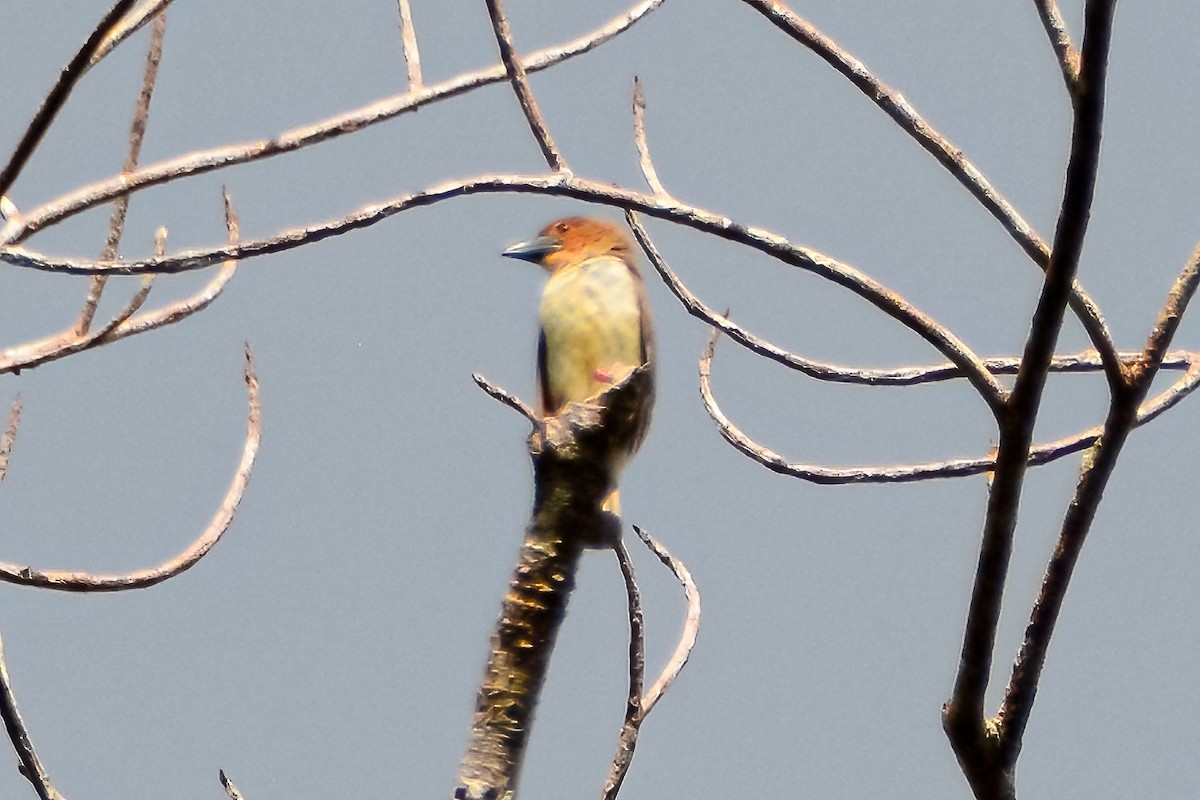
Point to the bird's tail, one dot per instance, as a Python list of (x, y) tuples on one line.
[(612, 503)]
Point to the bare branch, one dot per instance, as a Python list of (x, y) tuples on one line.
[(815, 369), (71, 581), (691, 624), (627, 741), (68, 342), (137, 134), (10, 436), (1152, 358), (30, 766), (507, 398), (130, 24), (972, 739), (231, 789), (643, 145), (567, 185), (57, 97), (408, 43), (520, 84), (20, 227), (908, 473), (956, 163), (1094, 477), (1060, 40)]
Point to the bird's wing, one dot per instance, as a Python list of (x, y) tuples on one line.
[(543, 378)]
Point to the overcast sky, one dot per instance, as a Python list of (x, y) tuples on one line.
[(331, 644)]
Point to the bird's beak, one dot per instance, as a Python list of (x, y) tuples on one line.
[(534, 250)]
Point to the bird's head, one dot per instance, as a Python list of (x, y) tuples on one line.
[(573, 240)]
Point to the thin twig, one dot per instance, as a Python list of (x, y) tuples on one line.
[(909, 473), (10, 436), (30, 766), (522, 89), (203, 161), (627, 741), (691, 623), (507, 398), (231, 789), (952, 158), (640, 140), (1060, 40), (137, 134), (130, 24), (57, 97), (408, 45)]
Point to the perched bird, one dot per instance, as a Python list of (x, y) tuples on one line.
[(595, 321)]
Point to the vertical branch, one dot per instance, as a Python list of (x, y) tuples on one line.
[(975, 742), (520, 84), (634, 713), (137, 134)]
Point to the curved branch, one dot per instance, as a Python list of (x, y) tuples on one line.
[(952, 158), (909, 473), (69, 581), (19, 228), (566, 185), (691, 622)]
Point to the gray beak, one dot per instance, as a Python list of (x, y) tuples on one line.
[(534, 250)]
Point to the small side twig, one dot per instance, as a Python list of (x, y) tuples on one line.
[(520, 83), (408, 45), (1060, 40), (1039, 454), (643, 145), (137, 134), (30, 765), (634, 713), (508, 399)]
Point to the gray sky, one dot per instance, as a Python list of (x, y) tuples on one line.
[(332, 643)]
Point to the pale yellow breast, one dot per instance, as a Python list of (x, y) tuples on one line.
[(592, 323)]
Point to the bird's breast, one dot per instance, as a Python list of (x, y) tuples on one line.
[(591, 321)]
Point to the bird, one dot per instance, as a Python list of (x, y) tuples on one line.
[(595, 324)]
